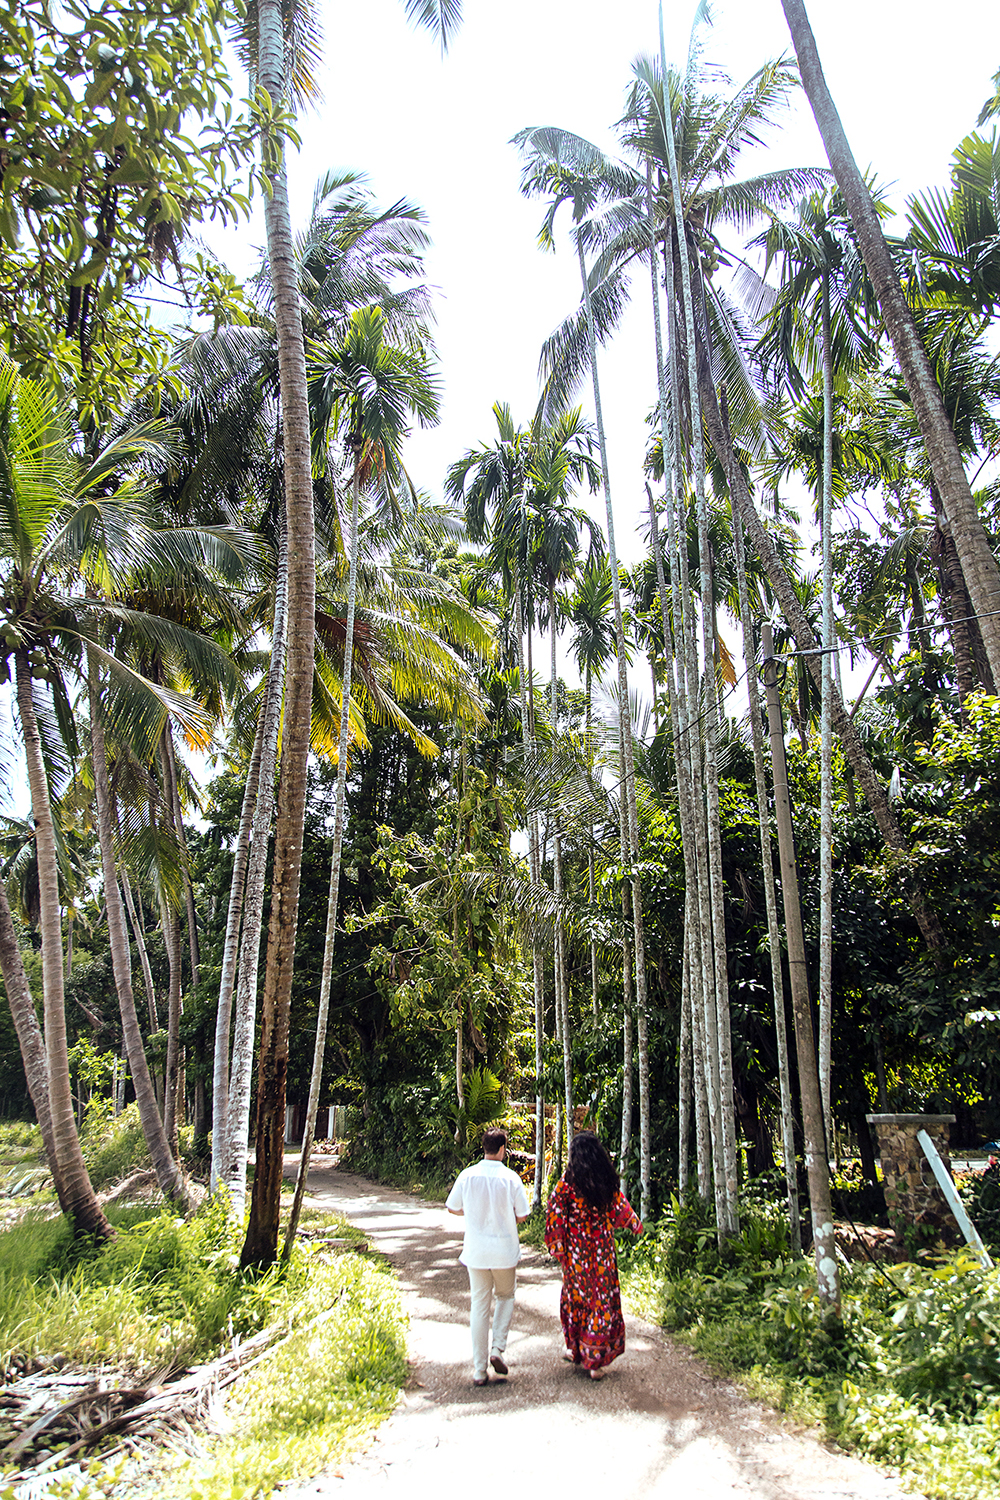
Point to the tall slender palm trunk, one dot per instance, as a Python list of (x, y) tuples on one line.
[(333, 896), (770, 902), (235, 1145), (230, 953), (561, 977), (537, 977), (978, 564), (641, 992), (826, 738), (719, 1032), (169, 1175), (813, 1130), (29, 1034), (69, 1173)]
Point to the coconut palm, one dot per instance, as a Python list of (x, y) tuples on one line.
[(978, 564), (56, 525), (277, 83)]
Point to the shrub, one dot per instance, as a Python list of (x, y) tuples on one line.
[(113, 1145), (947, 1337)]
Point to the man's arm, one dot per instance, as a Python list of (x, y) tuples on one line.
[(458, 1212), (521, 1217)]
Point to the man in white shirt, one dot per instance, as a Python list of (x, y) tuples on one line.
[(493, 1202)]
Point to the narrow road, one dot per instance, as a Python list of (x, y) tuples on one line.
[(660, 1426)]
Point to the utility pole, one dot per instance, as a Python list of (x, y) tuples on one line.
[(813, 1129)]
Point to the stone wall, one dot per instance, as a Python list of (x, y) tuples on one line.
[(918, 1210)]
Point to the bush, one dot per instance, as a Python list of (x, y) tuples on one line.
[(980, 1192), (113, 1145), (947, 1337)]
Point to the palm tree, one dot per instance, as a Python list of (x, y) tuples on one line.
[(593, 648), (978, 565), (822, 282), (562, 455), (55, 523), (545, 173), (260, 1246), (368, 388), (495, 480)]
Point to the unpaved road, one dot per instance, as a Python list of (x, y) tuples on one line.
[(660, 1426)]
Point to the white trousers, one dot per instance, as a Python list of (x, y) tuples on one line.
[(482, 1285)]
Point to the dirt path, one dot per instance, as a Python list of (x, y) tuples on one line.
[(660, 1426)]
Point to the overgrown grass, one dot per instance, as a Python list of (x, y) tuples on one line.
[(311, 1401), (162, 1293), (909, 1374), (18, 1136), (166, 1293)]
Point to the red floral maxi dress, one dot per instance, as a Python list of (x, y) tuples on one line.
[(582, 1240)]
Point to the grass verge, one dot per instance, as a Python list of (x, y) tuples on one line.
[(908, 1375), (166, 1293)]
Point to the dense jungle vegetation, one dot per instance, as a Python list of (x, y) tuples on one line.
[(425, 806)]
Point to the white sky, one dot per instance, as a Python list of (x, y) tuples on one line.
[(909, 80)]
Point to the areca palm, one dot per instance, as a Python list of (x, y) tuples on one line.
[(491, 483), (563, 454), (275, 81)]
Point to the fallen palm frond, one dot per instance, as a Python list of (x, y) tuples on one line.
[(41, 1413)]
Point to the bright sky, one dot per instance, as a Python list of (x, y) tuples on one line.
[(909, 80)]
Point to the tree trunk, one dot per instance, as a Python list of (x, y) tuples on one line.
[(230, 951), (169, 1175), (333, 896), (770, 904), (562, 984), (806, 642), (69, 1173), (29, 1033), (171, 923), (813, 1125), (978, 565), (237, 1125), (826, 735), (528, 743), (628, 766)]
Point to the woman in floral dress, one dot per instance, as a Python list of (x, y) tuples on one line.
[(583, 1213)]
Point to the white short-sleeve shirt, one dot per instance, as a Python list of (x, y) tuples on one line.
[(490, 1195)]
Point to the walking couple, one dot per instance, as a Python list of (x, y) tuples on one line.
[(584, 1211)]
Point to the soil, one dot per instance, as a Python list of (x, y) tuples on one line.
[(660, 1426)]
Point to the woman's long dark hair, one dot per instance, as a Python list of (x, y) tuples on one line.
[(590, 1170)]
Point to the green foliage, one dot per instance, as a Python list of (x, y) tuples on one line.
[(162, 1292), (908, 1370), (118, 138), (980, 1192), (313, 1399), (947, 1337), (165, 1293), (113, 1146), (482, 1103)]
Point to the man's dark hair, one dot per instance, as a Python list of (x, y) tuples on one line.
[(493, 1139), (591, 1171)]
